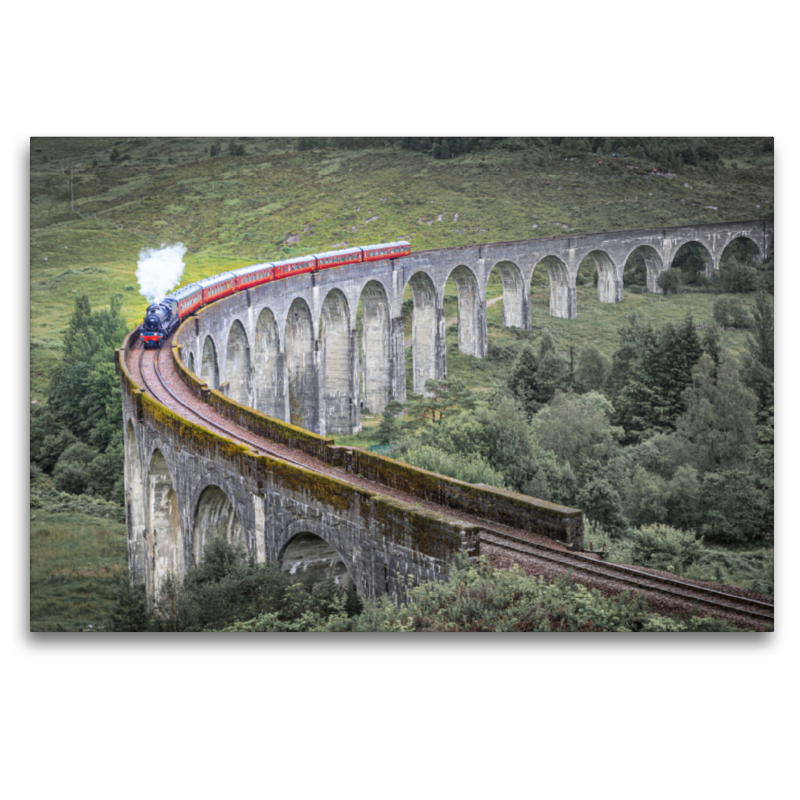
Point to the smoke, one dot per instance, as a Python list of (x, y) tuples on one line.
[(160, 270)]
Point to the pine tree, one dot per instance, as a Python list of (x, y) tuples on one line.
[(719, 421), (389, 428), (538, 374), (759, 360)]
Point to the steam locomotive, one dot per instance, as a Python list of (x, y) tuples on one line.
[(162, 319)]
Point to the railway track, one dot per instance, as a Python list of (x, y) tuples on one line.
[(636, 578), (151, 375), (491, 534)]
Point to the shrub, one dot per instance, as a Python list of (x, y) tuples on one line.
[(670, 281), (731, 312), (664, 547), (737, 277)]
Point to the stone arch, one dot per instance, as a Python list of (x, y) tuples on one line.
[(309, 559), (270, 367), (375, 343), (562, 293), (134, 507), (300, 367), (190, 362), (654, 265), (471, 312), (426, 337), (609, 277), (758, 255), (215, 516), (703, 247), (166, 550), (516, 306), (209, 365), (337, 364), (237, 365)]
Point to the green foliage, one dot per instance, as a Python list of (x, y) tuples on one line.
[(78, 435), (714, 345), (441, 400), (670, 281), (689, 266), (539, 373), (750, 569), (664, 547), (577, 428), (719, 422), (229, 587), (479, 597), (76, 563), (741, 271), (731, 312), (592, 371), (69, 474), (471, 468), (389, 429), (759, 360), (644, 497), (601, 502), (130, 613), (648, 376), (736, 508)]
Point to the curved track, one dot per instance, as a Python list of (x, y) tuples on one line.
[(521, 546), (639, 579)]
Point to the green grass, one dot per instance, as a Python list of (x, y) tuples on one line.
[(76, 563), (232, 211)]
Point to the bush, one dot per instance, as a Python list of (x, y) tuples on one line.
[(670, 281), (737, 277), (664, 547), (731, 312), (130, 612), (472, 469), (71, 473), (601, 502)]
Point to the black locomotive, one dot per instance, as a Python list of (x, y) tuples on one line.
[(160, 320)]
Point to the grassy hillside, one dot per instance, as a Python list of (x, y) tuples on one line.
[(91, 215)]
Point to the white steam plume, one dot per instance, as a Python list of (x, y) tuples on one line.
[(160, 270)]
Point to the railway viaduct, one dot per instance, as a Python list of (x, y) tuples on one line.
[(281, 367)]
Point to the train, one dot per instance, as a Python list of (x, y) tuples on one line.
[(162, 319)]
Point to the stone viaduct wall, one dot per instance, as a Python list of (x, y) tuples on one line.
[(186, 484), (287, 352), (291, 349)]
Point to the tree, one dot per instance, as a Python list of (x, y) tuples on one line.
[(713, 344), (670, 281), (130, 611), (684, 498), (71, 472), (649, 374), (759, 360), (577, 427), (592, 370), (537, 375), (441, 400), (730, 312), (719, 421), (84, 405), (601, 502), (644, 498), (735, 509), (389, 428)]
